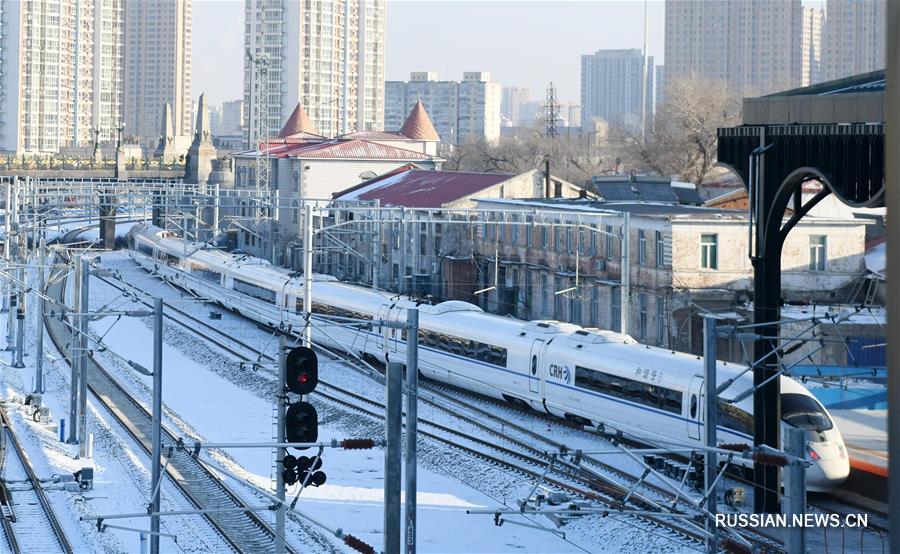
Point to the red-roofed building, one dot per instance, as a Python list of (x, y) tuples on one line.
[(414, 236), (304, 164)]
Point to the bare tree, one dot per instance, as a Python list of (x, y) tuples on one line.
[(682, 142), (574, 157)]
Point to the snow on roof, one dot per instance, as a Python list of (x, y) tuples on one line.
[(376, 135), (417, 188), (876, 258)]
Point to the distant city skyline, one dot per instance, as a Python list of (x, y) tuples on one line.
[(516, 57)]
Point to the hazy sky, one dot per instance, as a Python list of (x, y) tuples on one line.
[(518, 42)]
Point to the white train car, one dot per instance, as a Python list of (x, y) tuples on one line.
[(588, 375)]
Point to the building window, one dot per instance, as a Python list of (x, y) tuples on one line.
[(661, 321), (560, 298), (642, 248), (545, 296), (515, 231), (609, 241), (559, 239), (593, 250), (660, 250), (615, 309), (529, 235), (545, 234), (817, 252), (642, 315), (570, 247), (709, 251), (595, 306)]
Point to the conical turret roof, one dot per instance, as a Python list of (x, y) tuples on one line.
[(298, 123), (418, 125)]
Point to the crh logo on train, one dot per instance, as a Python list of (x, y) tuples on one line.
[(560, 372)]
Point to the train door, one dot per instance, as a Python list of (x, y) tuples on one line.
[(534, 364), (383, 331), (695, 407)]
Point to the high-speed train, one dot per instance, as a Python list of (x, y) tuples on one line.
[(592, 376)]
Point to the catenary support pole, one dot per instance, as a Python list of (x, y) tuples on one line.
[(892, 201), (20, 316), (76, 356), (392, 460), (711, 461), (625, 271), (39, 325), (280, 401), (157, 424), (795, 488), (83, 322), (412, 408), (307, 271)]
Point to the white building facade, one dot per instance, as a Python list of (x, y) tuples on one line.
[(158, 36), (61, 68), (612, 87), (328, 56), (460, 110)]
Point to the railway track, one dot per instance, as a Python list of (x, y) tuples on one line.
[(517, 454), (241, 531), (28, 520)]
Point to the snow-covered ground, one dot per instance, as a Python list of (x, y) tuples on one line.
[(216, 400)]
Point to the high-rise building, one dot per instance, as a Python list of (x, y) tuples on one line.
[(459, 109), (231, 118), (60, 74), (611, 87), (853, 38), (157, 67), (327, 56), (754, 45), (811, 47), (511, 104), (659, 87)]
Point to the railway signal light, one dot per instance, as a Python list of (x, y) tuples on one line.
[(302, 370), (301, 423)]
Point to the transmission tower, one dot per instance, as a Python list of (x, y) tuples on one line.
[(551, 108), (259, 99)]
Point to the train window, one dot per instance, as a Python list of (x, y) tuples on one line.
[(693, 406), (298, 305), (804, 412), (472, 349), (253, 290), (534, 365), (636, 391), (731, 417), (143, 248), (205, 273), (326, 309)]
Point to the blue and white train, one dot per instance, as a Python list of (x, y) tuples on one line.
[(588, 375)]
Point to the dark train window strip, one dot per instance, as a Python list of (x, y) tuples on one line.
[(253, 290), (628, 389), (466, 348)]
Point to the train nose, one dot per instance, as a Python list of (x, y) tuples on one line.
[(830, 467)]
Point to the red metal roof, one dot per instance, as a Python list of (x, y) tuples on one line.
[(418, 125), (341, 149), (298, 123), (375, 135), (419, 188)]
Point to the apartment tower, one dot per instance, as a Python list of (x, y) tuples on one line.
[(326, 56), (61, 65), (754, 45), (158, 67)]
